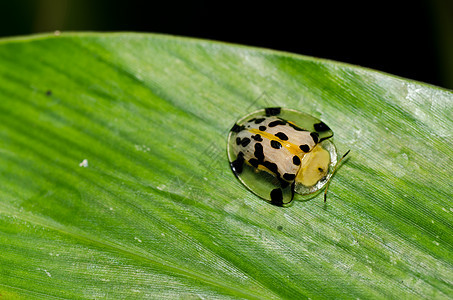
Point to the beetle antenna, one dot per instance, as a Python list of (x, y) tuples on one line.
[(333, 172)]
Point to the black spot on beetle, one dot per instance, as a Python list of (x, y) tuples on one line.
[(251, 120), (296, 160), (304, 148), (273, 111), (272, 167), (289, 177), (238, 164), (281, 136), (275, 144), (238, 141), (262, 128), (277, 197), (257, 137), (315, 137), (254, 162), (259, 120), (259, 154), (321, 170), (245, 142), (276, 122), (237, 128), (321, 127)]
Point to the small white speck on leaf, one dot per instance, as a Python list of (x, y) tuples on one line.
[(84, 163), (142, 148), (355, 243), (137, 239), (45, 271)]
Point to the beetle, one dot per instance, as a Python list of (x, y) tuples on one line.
[(276, 152)]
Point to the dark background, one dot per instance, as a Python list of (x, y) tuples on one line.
[(413, 39)]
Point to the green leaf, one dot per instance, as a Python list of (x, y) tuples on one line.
[(114, 179)]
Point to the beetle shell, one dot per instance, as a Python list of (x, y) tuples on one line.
[(276, 152)]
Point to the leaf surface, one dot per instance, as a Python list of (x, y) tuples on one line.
[(114, 179)]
